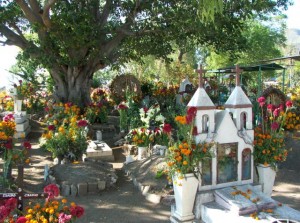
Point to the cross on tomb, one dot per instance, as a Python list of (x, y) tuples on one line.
[(20, 195), (238, 71), (201, 71)]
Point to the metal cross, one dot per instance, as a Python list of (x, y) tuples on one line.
[(20, 195)]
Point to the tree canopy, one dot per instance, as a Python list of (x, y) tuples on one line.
[(74, 39)]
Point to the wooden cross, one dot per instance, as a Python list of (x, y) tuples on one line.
[(20, 195), (238, 71), (200, 72)]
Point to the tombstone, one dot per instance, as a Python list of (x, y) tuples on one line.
[(231, 131)]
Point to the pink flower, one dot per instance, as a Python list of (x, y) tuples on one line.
[(276, 112), (261, 101), (62, 218), (82, 123), (21, 219), (47, 109), (27, 145), (11, 204), (270, 107), (167, 128), (52, 190), (20, 81), (3, 213), (289, 104), (274, 126), (77, 211)]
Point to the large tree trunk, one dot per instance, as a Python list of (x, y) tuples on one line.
[(73, 86)]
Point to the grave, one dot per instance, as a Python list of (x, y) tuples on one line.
[(99, 150), (22, 125), (227, 179)]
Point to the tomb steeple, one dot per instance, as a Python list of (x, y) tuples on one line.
[(239, 105), (205, 107)]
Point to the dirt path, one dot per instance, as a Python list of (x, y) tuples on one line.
[(124, 203)]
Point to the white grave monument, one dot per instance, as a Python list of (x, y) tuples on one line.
[(21, 118), (225, 191)]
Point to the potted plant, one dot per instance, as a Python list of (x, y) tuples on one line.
[(269, 147), (183, 160), (163, 137), (141, 137)]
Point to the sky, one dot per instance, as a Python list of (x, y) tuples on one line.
[(8, 53)]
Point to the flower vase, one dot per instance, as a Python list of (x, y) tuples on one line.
[(18, 105), (266, 175), (162, 150), (142, 152), (185, 190)]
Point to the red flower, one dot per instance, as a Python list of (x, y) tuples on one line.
[(82, 123), (289, 104), (77, 211), (27, 145), (8, 145), (20, 81), (167, 128), (191, 114), (21, 219), (52, 190), (122, 107), (51, 127), (47, 109), (134, 132), (145, 109), (195, 131)]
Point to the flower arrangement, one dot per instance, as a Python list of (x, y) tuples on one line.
[(185, 155), (269, 135), (53, 210), (122, 108), (96, 113), (10, 154), (18, 90), (151, 116), (141, 137), (65, 134), (163, 134)]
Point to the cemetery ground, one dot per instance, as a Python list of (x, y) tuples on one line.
[(124, 203)]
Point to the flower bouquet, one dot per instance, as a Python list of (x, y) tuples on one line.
[(141, 137), (53, 210), (269, 135), (185, 155)]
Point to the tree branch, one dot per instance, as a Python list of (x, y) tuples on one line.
[(35, 6), (46, 10), (30, 15), (105, 13), (12, 37)]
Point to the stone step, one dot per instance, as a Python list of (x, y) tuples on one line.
[(212, 212), (23, 126)]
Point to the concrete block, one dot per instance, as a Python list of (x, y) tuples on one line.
[(153, 198), (101, 184), (82, 189), (92, 187), (74, 190), (202, 198), (65, 190), (145, 190), (22, 127)]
